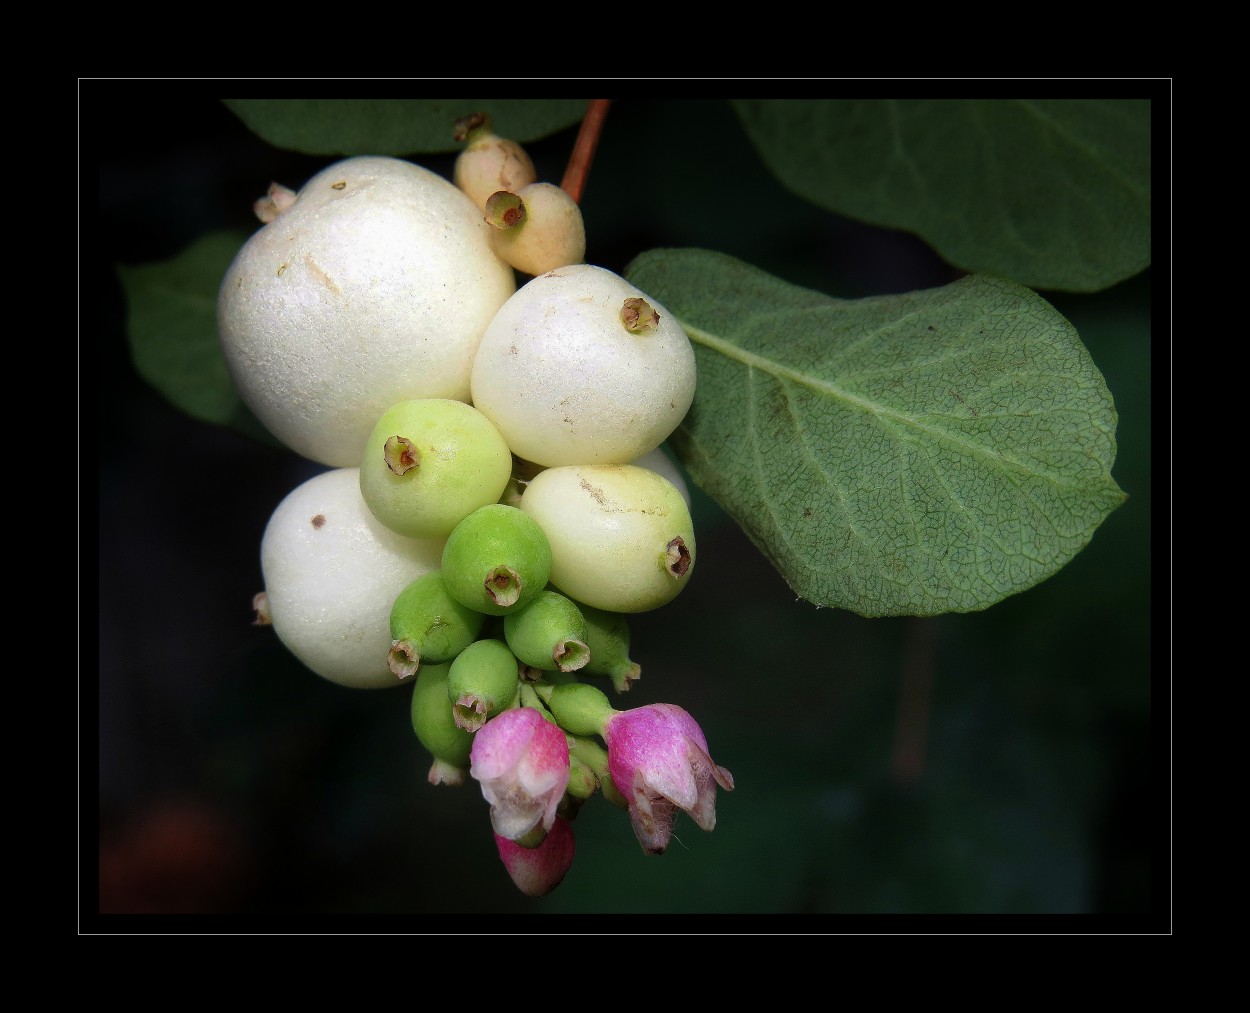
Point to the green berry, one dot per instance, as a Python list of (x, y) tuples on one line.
[(436, 728), (548, 634), (429, 625), (483, 682), (607, 636), (580, 709), (431, 462), (497, 560)]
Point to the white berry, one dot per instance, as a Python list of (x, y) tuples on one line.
[(580, 367), (332, 572), (372, 286)]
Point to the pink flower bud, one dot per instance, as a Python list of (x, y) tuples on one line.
[(659, 761), (522, 763), (538, 871)]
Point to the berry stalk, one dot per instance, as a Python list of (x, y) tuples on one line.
[(574, 182)]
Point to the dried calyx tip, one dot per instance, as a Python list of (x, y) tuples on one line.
[(403, 659), (677, 557), (639, 316), (277, 200), (260, 605), (469, 712), (503, 586), (466, 126), (570, 655), (505, 210), (401, 454)]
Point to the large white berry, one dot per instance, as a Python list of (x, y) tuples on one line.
[(371, 286), (580, 367), (332, 572)]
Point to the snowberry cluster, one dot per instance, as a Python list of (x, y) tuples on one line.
[(496, 502)]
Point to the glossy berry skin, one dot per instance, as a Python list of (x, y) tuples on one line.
[(497, 560), (372, 285), (621, 536), (429, 463), (565, 379)]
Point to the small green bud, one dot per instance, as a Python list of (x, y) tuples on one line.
[(582, 780), (594, 757), (607, 636), (428, 624), (436, 728), (497, 560), (483, 682), (580, 709), (549, 634)]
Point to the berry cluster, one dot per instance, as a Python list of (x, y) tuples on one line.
[(496, 502)]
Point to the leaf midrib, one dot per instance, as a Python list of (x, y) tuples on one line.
[(779, 370)]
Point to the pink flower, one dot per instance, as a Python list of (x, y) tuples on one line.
[(658, 759), (522, 763), (538, 871)]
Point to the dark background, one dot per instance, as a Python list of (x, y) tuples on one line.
[(1013, 762)]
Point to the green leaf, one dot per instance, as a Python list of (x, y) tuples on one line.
[(172, 326), (396, 126), (1054, 194), (904, 455)]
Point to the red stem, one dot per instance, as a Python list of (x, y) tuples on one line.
[(574, 182)]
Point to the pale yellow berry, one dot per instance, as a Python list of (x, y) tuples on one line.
[(546, 234), (490, 163), (621, 536)]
